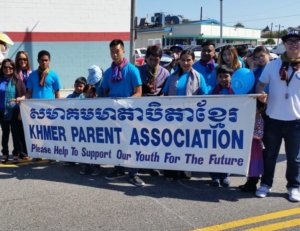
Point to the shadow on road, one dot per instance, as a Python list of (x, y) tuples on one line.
[(198, 188)]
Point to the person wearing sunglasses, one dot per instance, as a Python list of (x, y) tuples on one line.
[(23, 70), (11, 89), (23, 67)]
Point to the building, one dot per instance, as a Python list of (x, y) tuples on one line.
[(194, 33), (76, 33)]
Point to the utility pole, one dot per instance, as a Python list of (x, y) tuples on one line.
[(278, 33), (271, 30), (201, 13), (132, 32), (200, 31), (221, 21)]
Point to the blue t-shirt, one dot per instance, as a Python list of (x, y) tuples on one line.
[(52, 84), (74, 95), (181, 83), (125, 87), (99, 88), (210, 77), (257, 73)]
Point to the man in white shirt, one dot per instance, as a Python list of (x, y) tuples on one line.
[(282, 116)]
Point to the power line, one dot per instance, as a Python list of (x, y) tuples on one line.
[(260, 19)]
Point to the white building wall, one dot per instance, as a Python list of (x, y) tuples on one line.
[(77, 33), (65, 15), (214, 30), (186, 30), (143, 38)]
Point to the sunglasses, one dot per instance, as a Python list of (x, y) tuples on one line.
[(22, 59)]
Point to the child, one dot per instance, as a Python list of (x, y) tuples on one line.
[(79, 85), (89, 91), (95, 77), (256, 159), (223, 87), (261, 57)]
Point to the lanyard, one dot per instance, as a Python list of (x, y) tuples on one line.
[(290, 78)]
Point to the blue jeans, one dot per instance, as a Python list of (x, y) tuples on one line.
[(274, 132)]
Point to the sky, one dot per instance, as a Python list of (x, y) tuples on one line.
[(255, 14)]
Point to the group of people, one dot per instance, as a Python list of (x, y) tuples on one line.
[(277, 81)]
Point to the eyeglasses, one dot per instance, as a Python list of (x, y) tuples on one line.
[(291, 42), (8, 67), (22, 59)]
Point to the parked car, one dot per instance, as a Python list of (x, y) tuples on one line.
[(269, 47), (279, 49), (139, 54), (165, 60), (139, 61), (197, 52)]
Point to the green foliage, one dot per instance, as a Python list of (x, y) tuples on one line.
[(270, 41), (266, 29)]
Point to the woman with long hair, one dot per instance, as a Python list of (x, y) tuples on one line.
[(229, 57), (185, 81), (10, 89), (23, 68)]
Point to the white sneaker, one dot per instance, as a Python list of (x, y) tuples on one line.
[(262, 191), (294, 194)]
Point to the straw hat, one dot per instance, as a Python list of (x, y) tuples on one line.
[(6, 39)]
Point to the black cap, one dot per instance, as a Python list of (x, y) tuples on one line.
[(176, 47), (292, 33)]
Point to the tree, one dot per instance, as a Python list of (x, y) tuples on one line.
[(239, 25), (266, 29), (270, 41)]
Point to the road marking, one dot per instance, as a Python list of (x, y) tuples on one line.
[(23, 162), (8, 166), (277, 226), (252, 220)]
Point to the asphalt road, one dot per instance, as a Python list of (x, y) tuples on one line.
[(50, 196)]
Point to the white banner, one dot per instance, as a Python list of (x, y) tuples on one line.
[(203, 134)]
